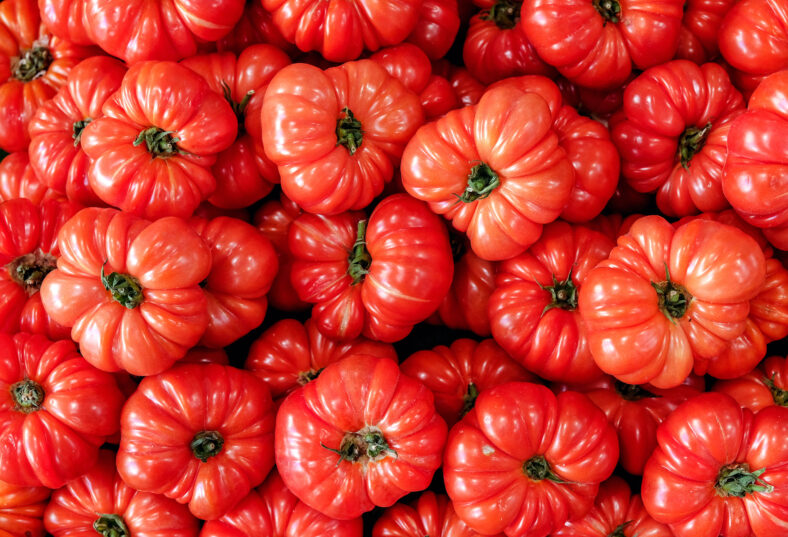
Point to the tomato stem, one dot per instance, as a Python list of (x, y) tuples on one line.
[(28, 396), (31, 64), (77, 128), (691, 141), (349, 133), (110, 525), (123, 287), (238, 108), (779, 395), (737, 480), (619, 531), (609, 9), (631, 392), (505, 14), (29, 270), (305, 377), (563, 294), (359, 259), (482, 180), (362, 446), (538, 469), (674, 299), (159, 142), (206, 444), (469, 399)]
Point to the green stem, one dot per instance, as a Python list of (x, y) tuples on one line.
[(28, 396), (737, 480), (619, 531), (563, 294), (537, 468), (29, 270), (359, 259), (469, 399), (779, 395), (349, 132), (631, 392), (77, 130), (505, 14), (691, 141), (365, 444), (31, 64), (238, 108), (482, 180), (159, 142), (674, 299), (206, 444), (124, 288), (111, 526), (609, 9)]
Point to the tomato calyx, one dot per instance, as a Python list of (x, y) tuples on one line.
[(365, 445), (563, 294), (619, 531), (305, 377), (239, 109), (537, 468), (124, 288), (110, 525), (779, 395), (359, 259), (674, 299), (609, 9), (737, 480), (482, 180), (349, 133), (691, 141), (29, 270), (77, 128), (469, 399), (505, 14), (631, 392), (31, 63), (28, 396), (159, 142), (206, 444)]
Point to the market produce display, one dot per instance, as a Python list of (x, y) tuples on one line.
[(403, 268)]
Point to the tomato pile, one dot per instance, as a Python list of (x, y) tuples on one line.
[(417, 268)]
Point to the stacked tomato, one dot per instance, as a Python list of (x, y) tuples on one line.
[(440, 268)]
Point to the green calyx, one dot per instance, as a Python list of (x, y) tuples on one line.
[(367, 444), (537, 468), (77, 130), (737, 480), (349, 133), (206, 444), (631, 392), (238, 108), (691, 141), (674, 299), (305, 377), (482, 180), (619, 531), (779, 395), (359, 259), (563, 294), (609, 9), (29, 270), (28, 396), (505, 14), (111, 526), (31, 64), (124, 288), (469, 399), (159, 142)]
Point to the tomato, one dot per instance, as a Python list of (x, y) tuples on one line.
[(756, 169), (457, 374), (719, 471), (256, 25), (378, 276), (56, 412), (22, 510), (55, 149), (431, 514), (129, 289), (635, 411), (700, 28), (759, 388), (436, 27), (290, 354), (360, 435), (19, 180), (533, 309), (149, 161), (596, 44), (616, 512), (666, 296), (337, 134), (211, 428), (596, 104), (272, 510), (495, 169), (467, 89), (243, 267), (100, 502), (66, 19), (525, 461), (753, 37)]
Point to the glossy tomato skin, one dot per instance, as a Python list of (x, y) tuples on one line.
[(431, 514), (272, 510), (713, 271), (687, 483), (700, 27), (66, 19), (409, 268), (366, 401), (170, 412), (170, 177), (22, 509), (753, 37), (524, 461), (56, 412), (436, 28), (19, 180), (533, 309), (55, 149), (165, 259), (760, 388), (86, 500), (320, 172)]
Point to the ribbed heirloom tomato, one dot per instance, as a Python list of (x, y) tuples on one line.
[(700, 29), (753, 36), (436, 27), (19, 180), (762, 387), (22, 510)]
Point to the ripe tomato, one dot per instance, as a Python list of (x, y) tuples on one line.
[(753, 37), (56, 412), (129, 289), (700, 29), (100, 502), (596, 104), (436, 27), (360, 435), (66, 19), (666, 296), (22, 510), (19, 180), (525, 461), (256, 25), (336, 135), (760, 388), (147, 159), (719, 471), (211, 428)]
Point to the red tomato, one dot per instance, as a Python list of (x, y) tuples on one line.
[(55, 149), (243, 267), (129, 289), (595, 44), (100, 502), (700, 28), (760, 388), (431, 515), (291, 354), (596, 104), (273, 511), (719, 471), (204, 355), (66, 19), (436, 27), (468, 89), (753, 36), (524, 461), (255, 26), (495, 169), (19, 180), (533, 309), (56, 412), (457, 374), (360, 435), (336, 135), (243, 173), (22, 510), (211, 428), (378, 276), (138, 30), (666, 296), (152, 150)]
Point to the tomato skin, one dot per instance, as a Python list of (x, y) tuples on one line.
[(318, 173), (272, 510), (467, 89), (152, 184), (255, 26), (66, 19), (79, 409), (486, 455), (358, 393), (166, 257), (700, 28), (549, 340), (630, 337), (753, 37), (56, 153), (760, 388), (165, 414), (449, 372), (410, 271), (19, 180), (431, 514), (22, 510), (700, 438), (75, 507), (436, 27)]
